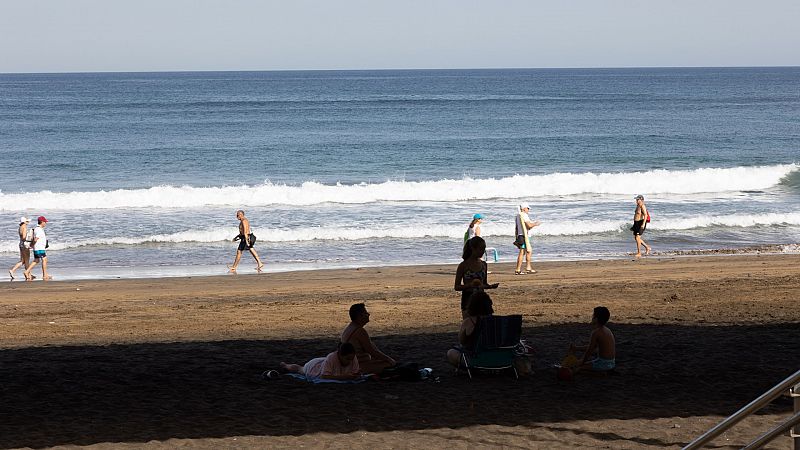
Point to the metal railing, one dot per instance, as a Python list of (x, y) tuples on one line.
[(791, 384)]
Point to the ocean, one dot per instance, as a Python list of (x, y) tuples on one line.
[(141, 174)]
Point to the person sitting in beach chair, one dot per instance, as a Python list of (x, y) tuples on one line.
[(601, 341), (486, 341), (339, 365), (370, 358), (479, 305), (495, 345)]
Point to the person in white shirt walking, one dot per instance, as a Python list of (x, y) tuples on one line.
[(474, 228), (522, 241)]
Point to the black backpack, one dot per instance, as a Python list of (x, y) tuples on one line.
[(402, 372)]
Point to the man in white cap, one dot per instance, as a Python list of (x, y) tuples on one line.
[(24, 247), (522, 241), (39, 244)]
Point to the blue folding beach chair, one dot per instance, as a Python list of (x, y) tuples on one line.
[(494, 347)]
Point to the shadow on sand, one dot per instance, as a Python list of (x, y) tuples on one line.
[(143, 392)]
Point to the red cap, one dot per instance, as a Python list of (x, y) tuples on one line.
[(42, 219)]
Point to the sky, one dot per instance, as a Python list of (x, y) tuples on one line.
[(177, 35)]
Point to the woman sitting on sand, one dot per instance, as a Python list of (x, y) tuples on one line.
[(369, 357), (471, 274), (480, 305), (339, 365)]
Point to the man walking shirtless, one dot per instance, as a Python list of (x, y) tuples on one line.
[(639, 225), (244, 243)]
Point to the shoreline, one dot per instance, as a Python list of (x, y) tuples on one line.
[(194, 271)]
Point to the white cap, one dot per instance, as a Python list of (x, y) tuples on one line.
[(524, 206), (24, 219)]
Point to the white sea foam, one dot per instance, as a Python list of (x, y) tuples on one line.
[(790, 248), (706, 180), (423, 230), (733, 220)]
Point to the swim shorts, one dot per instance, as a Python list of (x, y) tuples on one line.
[(38, 254), (638, 227), (602, 364), (243, 245)]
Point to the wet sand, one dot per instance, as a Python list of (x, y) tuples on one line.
[(175, 362)]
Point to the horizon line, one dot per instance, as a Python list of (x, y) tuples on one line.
[(395, 69)]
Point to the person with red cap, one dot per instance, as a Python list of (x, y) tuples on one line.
[(39, 244)]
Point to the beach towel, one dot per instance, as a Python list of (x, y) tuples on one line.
[(322, 380)]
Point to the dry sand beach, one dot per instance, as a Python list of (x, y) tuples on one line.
[(166, 363)]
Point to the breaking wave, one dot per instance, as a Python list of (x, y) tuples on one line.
[(423, 230), (704, 180)]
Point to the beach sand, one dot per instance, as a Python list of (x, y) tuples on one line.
[(167, 363)]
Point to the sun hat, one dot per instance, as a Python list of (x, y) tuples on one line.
[(639, 197), (24, 219), (524, 206), (41, 219), (477, 216)]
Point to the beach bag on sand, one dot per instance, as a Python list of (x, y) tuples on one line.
[(402, 372)]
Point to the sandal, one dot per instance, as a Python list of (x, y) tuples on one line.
[(519, 272), (270, 375), (530, 271)]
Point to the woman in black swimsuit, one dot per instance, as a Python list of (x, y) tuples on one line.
[(471, 274)]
